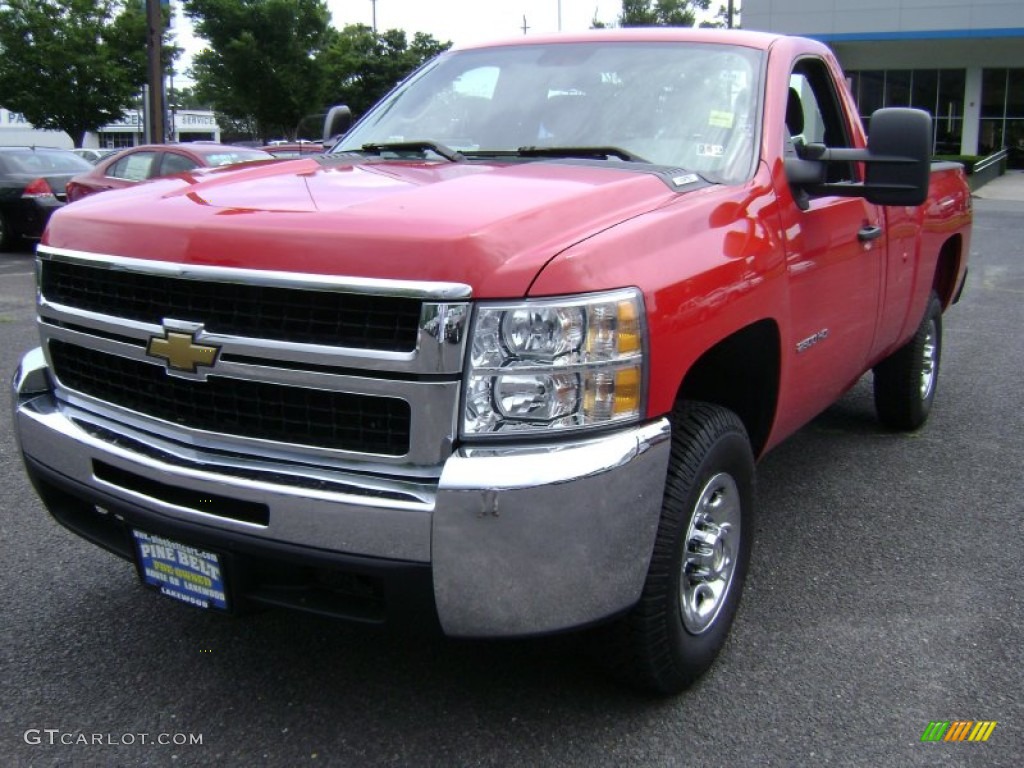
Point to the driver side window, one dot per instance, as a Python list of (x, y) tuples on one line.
[(814, 114)]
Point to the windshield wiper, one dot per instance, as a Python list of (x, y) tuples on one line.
[(439, 149), (583, 152)]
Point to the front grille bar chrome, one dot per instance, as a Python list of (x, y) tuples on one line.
[(428, 377)]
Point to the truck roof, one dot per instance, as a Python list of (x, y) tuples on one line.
[(745, 38)]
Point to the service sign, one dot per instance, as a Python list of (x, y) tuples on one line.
[(182, 572)]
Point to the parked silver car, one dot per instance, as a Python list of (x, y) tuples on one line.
[(93, 155)]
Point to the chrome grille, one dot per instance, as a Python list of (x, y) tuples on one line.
[(348, 369), (266, 312), (261, 410)]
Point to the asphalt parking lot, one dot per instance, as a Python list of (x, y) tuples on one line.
[(885, 593)]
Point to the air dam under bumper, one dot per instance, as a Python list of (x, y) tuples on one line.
[(519, 540)]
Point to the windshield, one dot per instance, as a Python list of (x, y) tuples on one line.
[(232, 156), (682, 105)]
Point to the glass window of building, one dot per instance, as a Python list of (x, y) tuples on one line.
[(952, 83), (1002, 114), (897, 88), (924, 90), (940, 92), (1015, 93), (872, 91), (949, 115), (1014, 130), (993, 93)]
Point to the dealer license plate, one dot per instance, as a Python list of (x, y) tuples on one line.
[(177, 570)]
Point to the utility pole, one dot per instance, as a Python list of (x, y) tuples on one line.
[(172, 100), (374, 4), (524, 24), (730, 12), (154, 51), (560, 15)]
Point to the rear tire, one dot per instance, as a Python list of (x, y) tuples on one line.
[(905, 382), (700, 559)]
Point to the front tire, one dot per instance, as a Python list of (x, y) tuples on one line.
[(905, 382), (701, 554)]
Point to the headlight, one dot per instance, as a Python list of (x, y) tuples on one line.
[(566, 363)]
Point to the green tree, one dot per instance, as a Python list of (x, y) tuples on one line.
[(363, 65), (661, 13), (721, 18), (265, 61), (72, 65), (185, 98)]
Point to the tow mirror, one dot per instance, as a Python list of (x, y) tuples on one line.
[(337, 123), (897, 162)]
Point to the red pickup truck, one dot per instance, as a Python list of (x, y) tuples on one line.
[(502, 361)]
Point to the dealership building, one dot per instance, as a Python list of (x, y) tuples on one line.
[(961, 60), (129, 131)]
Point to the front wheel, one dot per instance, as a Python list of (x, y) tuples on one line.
[(700, 557), (905, 382)]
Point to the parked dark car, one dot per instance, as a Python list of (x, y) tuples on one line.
[(32, 186), (150, 161)]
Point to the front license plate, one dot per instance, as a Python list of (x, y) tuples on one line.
[(177, 570)]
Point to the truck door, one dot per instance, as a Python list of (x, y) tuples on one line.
[(835, 250)]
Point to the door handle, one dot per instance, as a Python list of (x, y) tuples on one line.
[(869, 232)]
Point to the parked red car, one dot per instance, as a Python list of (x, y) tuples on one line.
[(151, 161)]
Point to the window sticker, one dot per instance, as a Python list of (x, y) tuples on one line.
[(720, 119)]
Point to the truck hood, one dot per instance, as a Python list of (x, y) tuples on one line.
[(491, 226)]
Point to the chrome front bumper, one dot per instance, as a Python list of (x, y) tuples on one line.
[(519, 540)]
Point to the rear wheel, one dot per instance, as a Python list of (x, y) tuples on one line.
[(905, 382), (700, 557)]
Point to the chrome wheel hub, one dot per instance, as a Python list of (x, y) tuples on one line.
[(928, 362), (712, 547)]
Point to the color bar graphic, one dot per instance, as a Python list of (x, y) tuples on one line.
[(982, 730), (958, 730)]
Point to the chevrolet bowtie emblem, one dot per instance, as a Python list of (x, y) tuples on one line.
[(181, 352)]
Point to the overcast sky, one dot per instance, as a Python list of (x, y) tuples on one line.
[(460, 21)]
